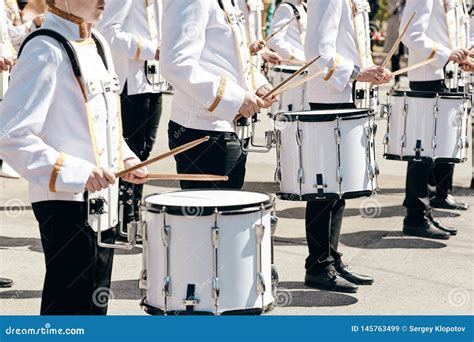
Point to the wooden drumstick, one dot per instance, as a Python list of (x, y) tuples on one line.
[(412, 67), (280, 29), (397, 42), (188, 177), (289, 79), (293, 85), (171, 153)]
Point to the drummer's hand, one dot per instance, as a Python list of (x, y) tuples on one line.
[(264, 90), (257, 46), (458, 56), (375, 74), (99, 179), (39, 20), (272, 57), (139, 176), (6, 64), (252, 105)]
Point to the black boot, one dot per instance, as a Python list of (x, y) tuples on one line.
[(439, 225), (5, 283), (449, 203), (425, 230)]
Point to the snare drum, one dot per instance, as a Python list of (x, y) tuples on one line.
[(208, 252), (427, 126), (326, 154), (293, 99)]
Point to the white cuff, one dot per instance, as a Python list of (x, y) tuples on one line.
[(70, 174)]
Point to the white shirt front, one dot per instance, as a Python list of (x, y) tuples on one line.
[(48, 128), (428, 35), (289, 42), (133, 30), (205, 55), (338, 31)]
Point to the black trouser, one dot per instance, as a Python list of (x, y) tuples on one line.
[(324, 222), (419, 173), (221, 155), (140, 118), (78, 271)]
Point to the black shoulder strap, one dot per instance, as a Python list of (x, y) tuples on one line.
[(61, 40), (293, 7)]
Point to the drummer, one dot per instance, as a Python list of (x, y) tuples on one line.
[(338, 31), (206, 57), (289, 40), (430, 34), (133, 30)]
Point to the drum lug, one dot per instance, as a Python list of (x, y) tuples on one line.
[(166, 288), (434, 143), (299, 137), (386, 110), (274, 223), (142, 283), (385, 139), (403, 141), (215, 237), (190, 302), (277, 176), (166, 236), (301, 176), (260, 231), (339, 175), (215, 288), (337, 133), (261, 286)]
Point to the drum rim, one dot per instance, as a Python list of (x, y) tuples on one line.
[(210, 210), (426, 94), (291, 69), (286, 196), (326, 115)]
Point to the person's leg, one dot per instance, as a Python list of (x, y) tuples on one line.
[(416, 222), (78, 272), (320, 263), (442, 179)]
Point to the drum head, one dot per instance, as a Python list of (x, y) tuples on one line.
[(323, 115), (205, 202)]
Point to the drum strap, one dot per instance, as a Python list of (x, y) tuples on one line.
[(190, 296)]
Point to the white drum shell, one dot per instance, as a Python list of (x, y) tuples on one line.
[(448, 141), (191, 261), (320, 156), (293, 99)]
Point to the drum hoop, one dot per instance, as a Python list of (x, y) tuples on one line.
[(209, 210), (427, 94), (286, 71), (297, 116), (327, 196)]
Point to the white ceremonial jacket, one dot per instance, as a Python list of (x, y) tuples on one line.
[(52, 133), (252, 10), (433, 33), (133, 30), (339, 32), (205, 55), (289, 42)]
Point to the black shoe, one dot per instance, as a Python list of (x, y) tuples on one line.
[(439, 225), (5, 283), (358, 279), (329, 281), (426, 230), (448, 203)]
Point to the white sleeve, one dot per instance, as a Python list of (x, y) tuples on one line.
[(181, 54), (278, 43), (417, 38), (111, 26), (22, 115), (324, 19)]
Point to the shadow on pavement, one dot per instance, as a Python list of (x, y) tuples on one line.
[(369, 212), (381, 239), (295, 294)]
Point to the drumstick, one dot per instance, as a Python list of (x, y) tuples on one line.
[(412, 67), (289, 79), (397, 42), (188, 177), (280, 29), (293, 85), (171, 153)]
